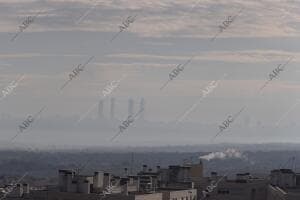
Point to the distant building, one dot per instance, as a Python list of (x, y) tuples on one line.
[(284, 184), (143, 108), (177, 182), (102, 185), (130, 107), (100, 109), (243, 187), (283, 178), (112, 108)]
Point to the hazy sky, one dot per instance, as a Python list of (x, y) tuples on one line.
[(165, 33)]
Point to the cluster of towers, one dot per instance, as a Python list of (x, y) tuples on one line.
[(112, 108)]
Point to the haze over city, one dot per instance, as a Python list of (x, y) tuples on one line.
[(149, 100), (162, 35)]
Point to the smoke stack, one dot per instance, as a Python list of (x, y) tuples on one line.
[(100, 109), (112, 108), (126, 171), (130, 107)]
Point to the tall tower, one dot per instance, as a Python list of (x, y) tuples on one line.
[(100, 109), (112, 108), (142, 107), (130, 107)]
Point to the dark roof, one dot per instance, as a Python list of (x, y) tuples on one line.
[(178, 167), (284, 171), (243, 174)]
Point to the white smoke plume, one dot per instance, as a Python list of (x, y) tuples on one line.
[(228, 153)]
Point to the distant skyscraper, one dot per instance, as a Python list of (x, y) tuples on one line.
[(112, 108), (130, 107), (247, 121), (142, 107), (100, 109)]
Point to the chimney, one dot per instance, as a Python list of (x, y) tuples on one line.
[(126, 171), (144, 168), (200, 161)]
